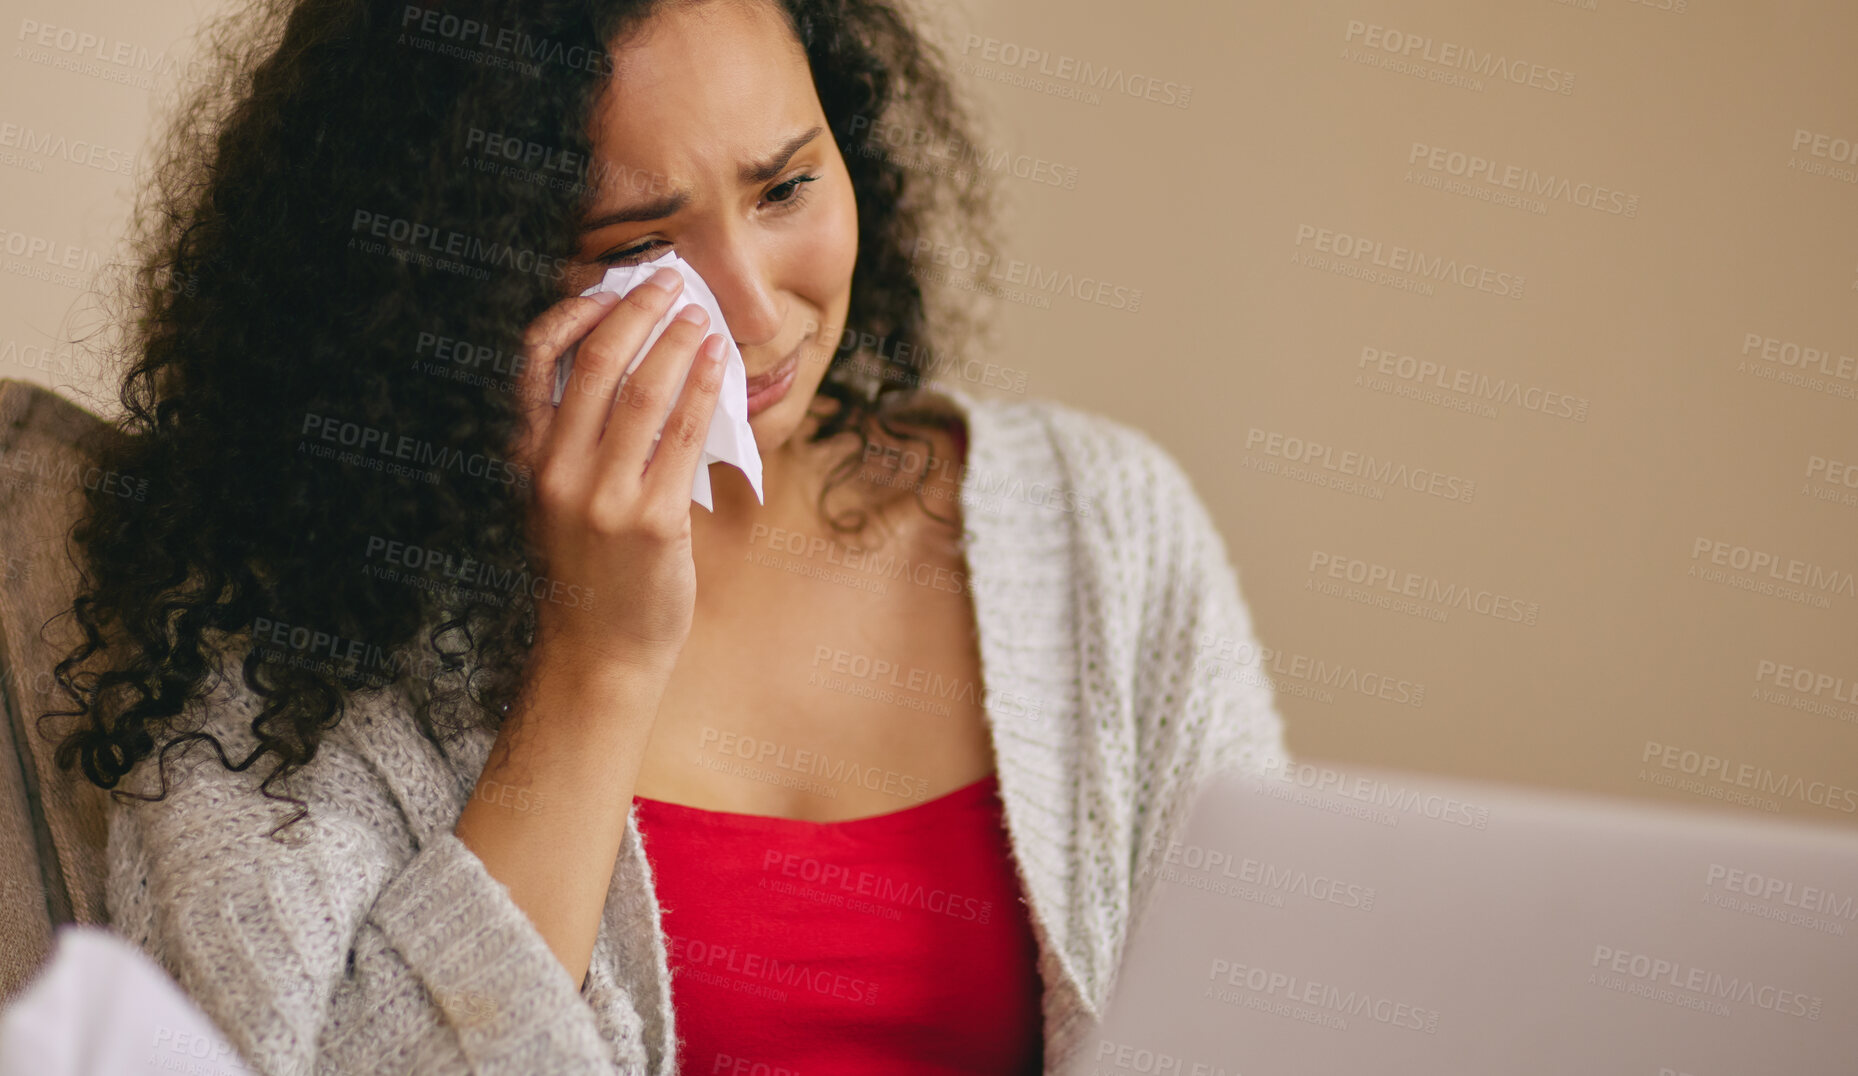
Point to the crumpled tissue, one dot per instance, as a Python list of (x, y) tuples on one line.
[(731, 439)]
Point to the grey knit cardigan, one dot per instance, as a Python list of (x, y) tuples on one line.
[(374, 941)]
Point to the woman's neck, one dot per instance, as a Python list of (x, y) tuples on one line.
[(794, 476), (793, 472)]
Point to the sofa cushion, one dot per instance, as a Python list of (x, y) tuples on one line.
[(56, 815)]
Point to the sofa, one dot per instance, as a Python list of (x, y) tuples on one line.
[(52, 823)]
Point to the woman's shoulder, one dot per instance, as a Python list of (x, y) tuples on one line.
[(205, 765)]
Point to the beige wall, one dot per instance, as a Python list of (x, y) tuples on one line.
[(1652, 427)]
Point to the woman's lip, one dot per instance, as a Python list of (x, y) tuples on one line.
[(762, 381), (765, 390)]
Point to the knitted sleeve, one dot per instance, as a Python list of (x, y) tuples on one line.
[(346, 949), (1206, 705), (1225, 673)]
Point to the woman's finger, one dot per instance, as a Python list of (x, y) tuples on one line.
[(543, 344), (601, 361), (673, 467), (640, 408)]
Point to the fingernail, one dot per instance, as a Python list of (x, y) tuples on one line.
[(694, 314), (712, 348), (664, 279), (605, 298)]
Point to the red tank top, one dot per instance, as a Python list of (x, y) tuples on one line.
[(897, 943)]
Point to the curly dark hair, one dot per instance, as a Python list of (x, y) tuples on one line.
[(257, 307)]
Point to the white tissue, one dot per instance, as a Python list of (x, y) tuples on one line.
[(731, 439)]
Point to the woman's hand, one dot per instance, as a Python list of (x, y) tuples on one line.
[(599, 517)]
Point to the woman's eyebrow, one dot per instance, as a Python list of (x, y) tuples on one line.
[(656, 209), (669, 204), (768, 169)]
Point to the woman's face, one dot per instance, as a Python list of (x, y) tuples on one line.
[(710, 142)]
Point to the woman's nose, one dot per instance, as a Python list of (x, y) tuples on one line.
[(744, 290)]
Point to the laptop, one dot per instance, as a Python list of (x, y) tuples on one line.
[(1344, 921)]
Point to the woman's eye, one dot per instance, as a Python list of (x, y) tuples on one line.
[(790, 190), (786, 195), (629, 255)]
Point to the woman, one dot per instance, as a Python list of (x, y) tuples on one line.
[(433, 754)]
